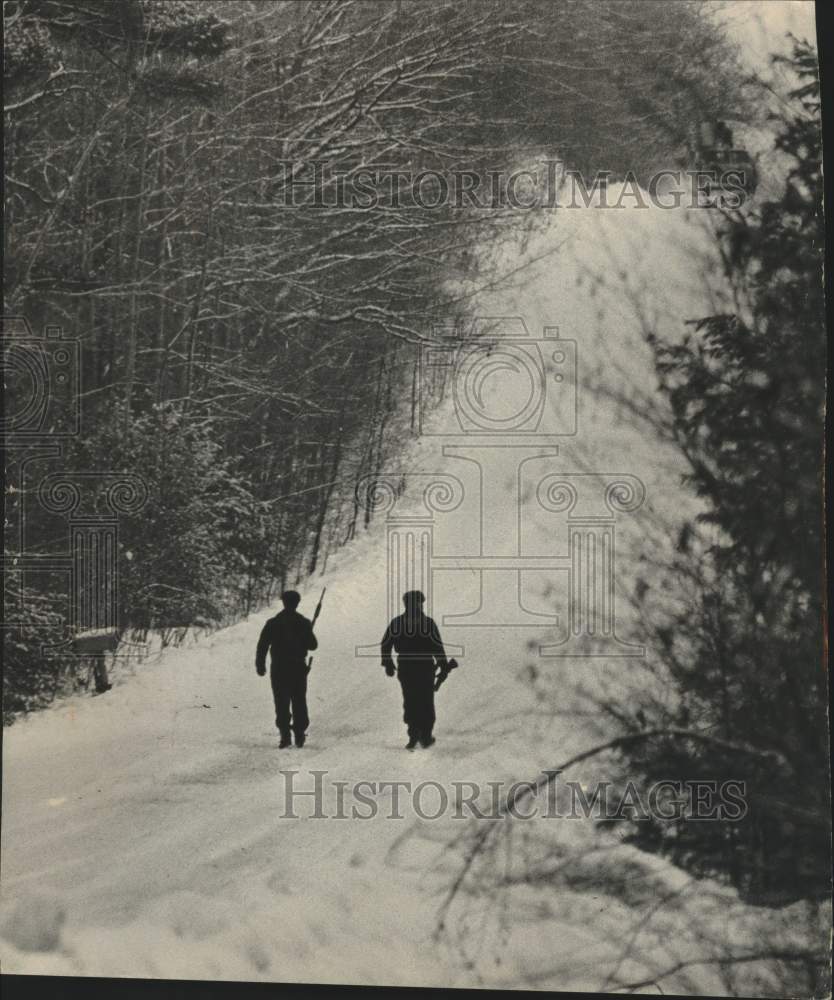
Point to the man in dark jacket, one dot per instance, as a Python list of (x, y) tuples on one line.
[(416, 640), (288, 636)]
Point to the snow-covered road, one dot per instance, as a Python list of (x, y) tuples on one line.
[(154, 817)]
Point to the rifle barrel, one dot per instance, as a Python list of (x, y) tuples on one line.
[(318, 606)]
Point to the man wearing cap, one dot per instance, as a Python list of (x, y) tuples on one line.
[(415, 639), (288, 637)]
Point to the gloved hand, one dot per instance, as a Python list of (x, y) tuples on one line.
[(261, 671), (390, 669)]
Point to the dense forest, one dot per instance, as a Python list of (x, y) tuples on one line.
[(247, 357)]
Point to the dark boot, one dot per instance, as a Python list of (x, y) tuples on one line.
[(299, 739), (426, 740), (412, 743), (285, 741)]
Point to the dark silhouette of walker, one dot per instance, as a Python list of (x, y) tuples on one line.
[(288, 637), (416, 640)]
